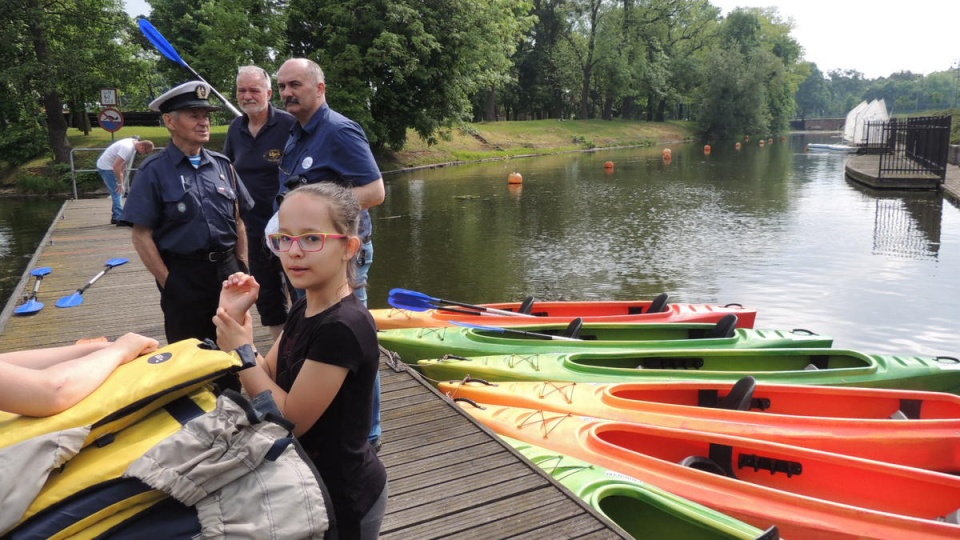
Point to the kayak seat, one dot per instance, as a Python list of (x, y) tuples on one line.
[(573, 329), (704, 464), (659, 304), (726, 327), (952, 517), (526, 307), (773, 533), (740, 396)]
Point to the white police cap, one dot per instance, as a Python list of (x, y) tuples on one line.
[(189, 95)]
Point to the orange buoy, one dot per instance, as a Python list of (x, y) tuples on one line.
[(667, 154), (706, 149), (515, 189), (737, 146), (608, 165), (514, 178)]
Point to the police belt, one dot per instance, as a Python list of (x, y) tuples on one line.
[(205, 256)]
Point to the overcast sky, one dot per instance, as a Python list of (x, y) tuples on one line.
[(875, 37)]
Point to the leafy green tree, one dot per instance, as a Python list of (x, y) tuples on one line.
[(58, 52), (215, 37), (813, 94), (399, 64)]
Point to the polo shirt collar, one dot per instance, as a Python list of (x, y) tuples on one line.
[(176, 156)]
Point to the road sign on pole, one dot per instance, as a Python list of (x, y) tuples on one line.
[(110, 119)]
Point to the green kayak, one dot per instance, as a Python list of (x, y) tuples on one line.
[(830, 367), (640, 509), (414, 344)]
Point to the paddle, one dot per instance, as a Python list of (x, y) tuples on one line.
[(417, 301), (167, 50), (515, 331), (31, 305), (76, 298)]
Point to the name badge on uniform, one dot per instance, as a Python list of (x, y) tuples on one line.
[(307, 162)]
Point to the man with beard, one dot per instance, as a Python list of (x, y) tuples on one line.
[(255, 143), (325, 146)]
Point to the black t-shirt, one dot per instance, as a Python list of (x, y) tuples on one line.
[(343, 335)]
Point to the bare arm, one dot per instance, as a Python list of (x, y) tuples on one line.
[(120, 169), (44, 358), (371, 194), (149, 253), (53, 389), (316, 386)]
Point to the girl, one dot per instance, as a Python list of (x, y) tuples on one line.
[(322, 368)]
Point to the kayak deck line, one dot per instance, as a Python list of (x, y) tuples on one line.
[(427, 439)]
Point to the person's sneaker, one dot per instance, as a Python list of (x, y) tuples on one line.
[(114, 222), (376, 444)]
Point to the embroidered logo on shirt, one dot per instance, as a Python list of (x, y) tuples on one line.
[(181, 207), (307, 162), (273, 155)]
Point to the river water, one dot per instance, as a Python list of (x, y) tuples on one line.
[(772, 227)]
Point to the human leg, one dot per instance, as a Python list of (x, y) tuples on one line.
[(110, 181), (373, 519), (364, 261), (189, 299)]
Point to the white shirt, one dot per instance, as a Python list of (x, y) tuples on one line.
[(124, 149)]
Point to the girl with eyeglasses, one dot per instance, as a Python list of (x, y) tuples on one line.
[(321, 370)]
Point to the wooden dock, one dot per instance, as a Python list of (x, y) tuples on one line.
[(448, 475)]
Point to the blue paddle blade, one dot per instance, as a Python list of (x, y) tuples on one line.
[(42, 271), (159, 41), (73, 300), (400, 299), (29, 307), (76, 298)]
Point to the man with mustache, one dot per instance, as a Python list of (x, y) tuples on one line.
[(325, 146), (255, 143), (185, 210)]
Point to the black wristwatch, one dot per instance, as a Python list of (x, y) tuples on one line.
[(247, 354)]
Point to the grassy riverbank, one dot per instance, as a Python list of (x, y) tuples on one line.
[(469, 142)]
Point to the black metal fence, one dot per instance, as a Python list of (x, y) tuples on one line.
[(910, 146)]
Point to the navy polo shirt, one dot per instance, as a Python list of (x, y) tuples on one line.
[(330, 148), (190, 209), (256, 159)]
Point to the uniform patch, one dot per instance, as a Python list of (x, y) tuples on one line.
[(307, 162), (181, 207), (273, 155)]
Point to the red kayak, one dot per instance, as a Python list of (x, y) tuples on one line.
[(917, 429), (805, 493), (635, 311)]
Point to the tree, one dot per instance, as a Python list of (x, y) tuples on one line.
[(813, 95), (215, 37), (55, 51), (399, 64)]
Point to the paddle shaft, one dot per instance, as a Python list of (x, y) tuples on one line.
[(514, 331)]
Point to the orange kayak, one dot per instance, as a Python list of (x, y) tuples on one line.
[(564, 312), (918, 429), (807, 494)]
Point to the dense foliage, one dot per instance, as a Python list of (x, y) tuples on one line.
[(427, 65)]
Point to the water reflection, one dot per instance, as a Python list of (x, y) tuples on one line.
[(773, 227), (23, 223)]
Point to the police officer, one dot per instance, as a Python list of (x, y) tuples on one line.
[(185, 210)]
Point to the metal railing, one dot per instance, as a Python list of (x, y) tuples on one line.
[(911, 146), (74, 170)]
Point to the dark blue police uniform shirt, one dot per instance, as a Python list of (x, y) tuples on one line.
[(256, 160), (189, 209), (331, 148)]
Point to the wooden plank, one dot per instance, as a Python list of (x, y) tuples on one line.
[(449, 476)]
